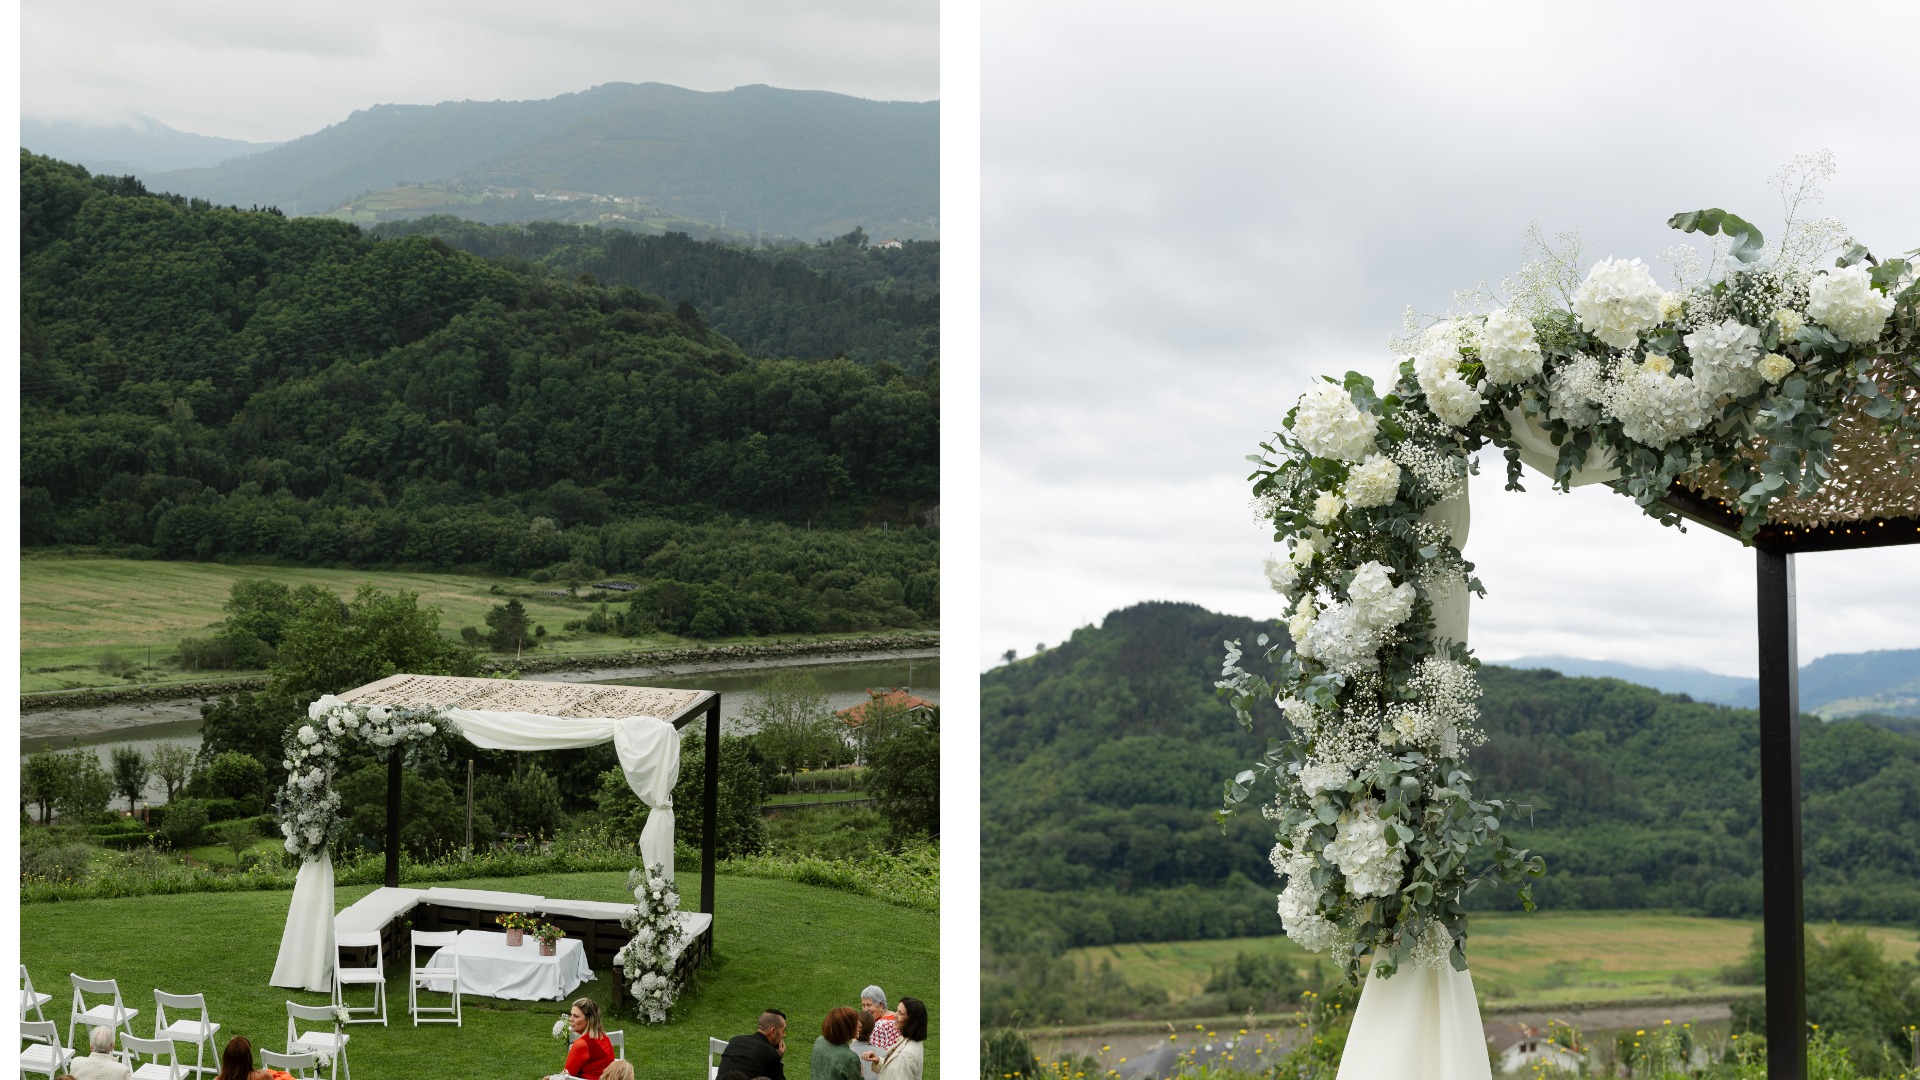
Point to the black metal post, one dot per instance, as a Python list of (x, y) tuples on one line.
[(469, 808), (1780, 818), (394, 758), (710, 808)]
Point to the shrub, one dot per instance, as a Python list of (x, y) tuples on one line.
[(112, 663), (238, 776), (237, 836), (184, 822), (58, 862)]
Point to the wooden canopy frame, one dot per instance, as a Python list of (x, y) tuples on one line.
[(677, 707), (1784, 909)]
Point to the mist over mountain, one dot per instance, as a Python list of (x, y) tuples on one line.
[(1885, 681), (141, 145), (796, 162)]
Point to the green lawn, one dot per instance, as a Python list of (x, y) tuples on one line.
[(816, 797), (74, 610), (795, 947), (1544, 957)]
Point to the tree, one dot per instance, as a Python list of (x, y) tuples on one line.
[(237, 836), (85, 790), (261, 607), (173, 764), (903, 772), (184, 821), (42, 777), (742, 825), (791, 721), (130, 771), (238, 776), (1009, 656), (511, 628)]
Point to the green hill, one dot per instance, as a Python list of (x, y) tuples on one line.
[(200, 382), (1102, 761), (802, 163)]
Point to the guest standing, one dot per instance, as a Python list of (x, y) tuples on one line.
[(863, 1044), (591, 1051), (886, 1027), (759, 1054), (832, 1060), (908, 1057), (101, 1064)]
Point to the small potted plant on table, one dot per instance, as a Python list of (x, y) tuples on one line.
[(549, 936), (517, 925)]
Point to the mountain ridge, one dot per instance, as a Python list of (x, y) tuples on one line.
[(1838, 684)]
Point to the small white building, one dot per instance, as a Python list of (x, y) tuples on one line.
[(1520, 1047), (889, 243)]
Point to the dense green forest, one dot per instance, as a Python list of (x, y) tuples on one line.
[(827, 299), (204, 382), (1103, 759)]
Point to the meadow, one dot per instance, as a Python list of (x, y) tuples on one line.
[(75, 610), (1546, 957), (798, 947)]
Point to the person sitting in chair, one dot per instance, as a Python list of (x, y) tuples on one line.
[(759, 1054), (236, 1062), (101, 1064), (591, 1051)]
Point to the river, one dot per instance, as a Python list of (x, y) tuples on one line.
[(149, 724)]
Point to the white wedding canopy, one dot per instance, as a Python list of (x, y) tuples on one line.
[(642, 723), (1424, 1024)]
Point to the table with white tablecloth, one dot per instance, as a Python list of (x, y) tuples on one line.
[(489, 967)]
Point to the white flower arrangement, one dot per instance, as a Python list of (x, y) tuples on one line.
[(560, 1028), (647, 961), (1379, 828), (310, 808)]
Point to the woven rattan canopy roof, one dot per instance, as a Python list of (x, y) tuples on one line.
[(578, 700)]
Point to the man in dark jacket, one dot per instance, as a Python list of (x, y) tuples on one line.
[(758, 1054)]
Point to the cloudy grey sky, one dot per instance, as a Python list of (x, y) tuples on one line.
[(1187, 216), (272, 72)]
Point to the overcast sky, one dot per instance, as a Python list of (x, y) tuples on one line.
[(273, 72), (1188, 216)]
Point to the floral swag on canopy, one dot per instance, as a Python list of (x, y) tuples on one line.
[(310, 807), (1736, 383)]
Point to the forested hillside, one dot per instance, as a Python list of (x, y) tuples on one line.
[(200, 382), (828, 299), (1102, 761)]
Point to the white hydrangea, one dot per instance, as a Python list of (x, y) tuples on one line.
[(1775, 367), (377, 713), (1377, 601), (1330, 425), (1373, 482), (1308, 928), (1723, 359), (1437, 368), (1324, 776), (1341, 640), (1654, 407), (1791, 323), (1281, 574), (308, 735), (1360, 848), (1845, 302), (1508, 348), (1618, 300), (1573, 394), (1300, 623), (1326, 507)]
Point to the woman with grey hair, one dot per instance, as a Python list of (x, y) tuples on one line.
[(886, 1027), (101, 1064)]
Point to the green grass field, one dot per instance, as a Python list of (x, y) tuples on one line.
[(1543, 957), (795, 947), (74, 610)]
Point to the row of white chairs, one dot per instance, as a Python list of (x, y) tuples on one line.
[(445, 968), (117, 1016)]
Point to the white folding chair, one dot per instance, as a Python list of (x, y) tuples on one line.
[(290, 1063), (715, 1047), (361, 976), (199, 1032), (328, 1044), (45, 1054), (446, 968), (133, 1046), (29, 997), (115, 1016), (619, 1041)]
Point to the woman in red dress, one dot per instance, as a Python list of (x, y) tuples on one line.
[(591, 1051)]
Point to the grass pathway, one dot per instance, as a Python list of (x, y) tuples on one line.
[(795, 947)]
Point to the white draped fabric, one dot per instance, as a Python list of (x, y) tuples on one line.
[(1421, 1024), (306, 945), (649, 751)]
